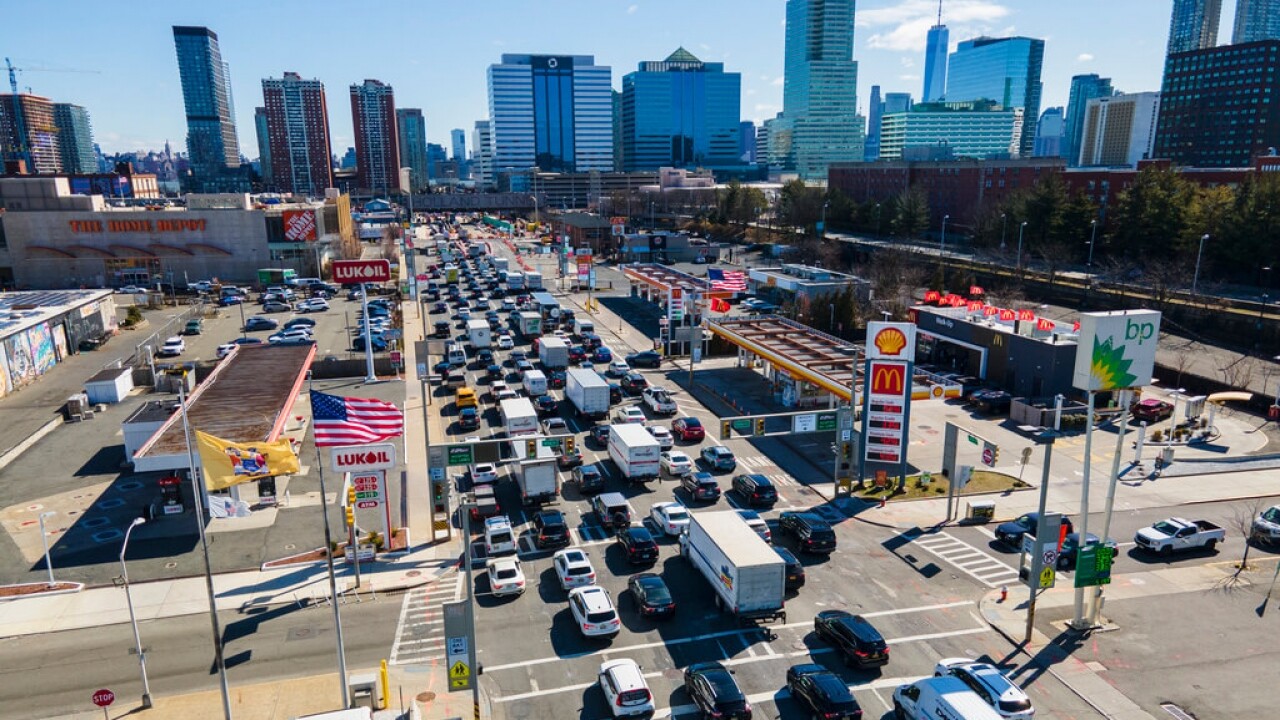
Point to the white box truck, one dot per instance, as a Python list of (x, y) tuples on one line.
[(583, 327), (515, 282), (537, 478), (588, 392), (499, 263), (535, 383), (553, 352), (748, 577), (529, 323), (478, 333), (519, 417), (635, 452), (533, 280)]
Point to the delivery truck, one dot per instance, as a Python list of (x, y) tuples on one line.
[(529, 324), (533, 280), (518, 417), (553, 353), (634, 451), (748, 577), (588, 392), (535, 383), (478, 333), (536, 476), (515, 282)]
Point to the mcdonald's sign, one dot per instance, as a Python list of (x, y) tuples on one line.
[(990, 310), (1008, 315), (1028, 315), (932, 296), (888, 379), (975, 305), (1044, 324)]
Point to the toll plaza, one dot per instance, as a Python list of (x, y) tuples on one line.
[(808, 368), (683, 298)]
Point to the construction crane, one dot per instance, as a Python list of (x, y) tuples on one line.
[(23, 152)]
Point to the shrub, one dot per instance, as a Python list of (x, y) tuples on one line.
[(132, 316)]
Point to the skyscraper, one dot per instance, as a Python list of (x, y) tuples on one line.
[(412, 127), (680, 112), (264, 146), (458, 136), (935, 60), (1119, 129), (373, 118), (1083, 89), (40, 145), (1049, 133), (897, 103), (1193, 25), (298, 133), (1006, 70), (482, 154), (875, 112), (747, 141), (819, 123), (75, 138), (554, 112), (1256, 20), (212, 146)]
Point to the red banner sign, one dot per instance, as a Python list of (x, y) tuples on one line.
[(1044, 324), (1008, 315), (975, 305), (932, 296), (990, 310), (1028, 315), (350, 272)]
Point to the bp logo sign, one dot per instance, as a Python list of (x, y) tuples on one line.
[(1117, 349)]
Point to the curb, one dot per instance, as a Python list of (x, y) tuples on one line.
[(16, 451)]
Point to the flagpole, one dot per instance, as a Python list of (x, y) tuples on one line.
[(198, 487), (328, 554)]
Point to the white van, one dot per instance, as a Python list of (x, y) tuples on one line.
[(455, 355), (535, 383), (581, 327), (940, 698), (499, 537)]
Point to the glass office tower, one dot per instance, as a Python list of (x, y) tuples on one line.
[(935, 61), (1193, 25), (1005, 70), (680, 112), (1256, 20), (212, 146)]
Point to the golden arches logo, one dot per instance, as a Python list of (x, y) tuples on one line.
[(888, 379), (890, 341)]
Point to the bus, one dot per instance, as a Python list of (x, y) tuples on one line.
[(276, 276)]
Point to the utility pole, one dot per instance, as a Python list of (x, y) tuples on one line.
[(1125, 397), (1078, 620), (1045, 438)]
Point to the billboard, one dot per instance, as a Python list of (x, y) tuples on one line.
[(891, 341), (1117, 349), (299, 225)]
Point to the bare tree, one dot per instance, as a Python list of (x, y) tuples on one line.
[(1236, 373), (1242, 521)]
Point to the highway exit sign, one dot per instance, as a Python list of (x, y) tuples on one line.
[(351, 272)]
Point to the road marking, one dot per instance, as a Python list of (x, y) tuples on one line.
[(985, 569), (419, 631)]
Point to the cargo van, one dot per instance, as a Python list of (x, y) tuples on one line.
[(940, 698), (455, 355), (535, 383), (582, 327)]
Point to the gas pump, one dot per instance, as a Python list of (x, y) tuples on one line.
[(171, 496)]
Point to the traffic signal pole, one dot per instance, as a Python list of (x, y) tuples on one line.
[(1046, 438), (1125, 397)]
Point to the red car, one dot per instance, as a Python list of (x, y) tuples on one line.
[(1152, 410), (688, 429)]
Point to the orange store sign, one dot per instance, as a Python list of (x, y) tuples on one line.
[(137, 226)]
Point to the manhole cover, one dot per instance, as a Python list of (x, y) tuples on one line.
[(107, 535), (33, 508), (96, 522), (170, 565), (300, 634), (110, 504), (425, 697), (290, 546)]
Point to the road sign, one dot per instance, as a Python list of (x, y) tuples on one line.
[(1047, 577), (459, 675), (457, 646), (359, 458), (1093, 565), (396, 358), (459, 455), (804, 423), (826, 422), (352, 272), (103, 698), (988, 456), (1049, 557)]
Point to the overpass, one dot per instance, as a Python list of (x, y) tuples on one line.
[(476, 202)]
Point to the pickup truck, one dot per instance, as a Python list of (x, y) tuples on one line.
[(1179, 534)]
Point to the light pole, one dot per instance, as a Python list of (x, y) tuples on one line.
[(1004, 225), (1021, 228), (942, 246), (48, 564), (879, 226), (133, 620), (831, 327), (823, 233), (1195, 280), (1093, 235)]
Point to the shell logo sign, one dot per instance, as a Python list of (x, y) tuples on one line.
[(891, 340)]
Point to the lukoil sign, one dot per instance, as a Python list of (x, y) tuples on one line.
[(360, 458), (1117, 350)]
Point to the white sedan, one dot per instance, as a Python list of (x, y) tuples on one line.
[(671, 517), (573, 568), (225, 349), (172, 347), (505, 342), (313, 305), (629, 414), (505, 576), (675, 463), (618, 368), (665, 440), (484, 473)]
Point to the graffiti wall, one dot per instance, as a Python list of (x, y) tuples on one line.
[(30, 354)]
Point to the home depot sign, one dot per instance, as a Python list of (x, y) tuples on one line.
[(299, 225)]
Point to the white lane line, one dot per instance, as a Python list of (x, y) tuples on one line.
[(713, 636)]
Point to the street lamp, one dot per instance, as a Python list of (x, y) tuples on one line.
[(48, 564), (1195, 280), (1004, 225), (133, 620), (1021, 227), (1093, 235), (831, 327), (879, 226), (942, 246), (823, 234)]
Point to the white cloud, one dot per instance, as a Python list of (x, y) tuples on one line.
[(631, 10), (777, 81), (904, 27), (1084, 57), (767, 108), (907, 61), (751, 91)]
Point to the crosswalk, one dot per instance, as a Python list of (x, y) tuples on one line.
[(968, 559), (420, 631)]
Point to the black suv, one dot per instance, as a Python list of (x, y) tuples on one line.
[(853, 637), (588, 478), (814, 533), (634, 383), (600, 435), (546, 406), (795, 570), (714, 691), (701, 486), (550, 529), (823, 692), (755, 490), (638, 545)]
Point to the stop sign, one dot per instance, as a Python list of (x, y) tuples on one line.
[(103, 698)]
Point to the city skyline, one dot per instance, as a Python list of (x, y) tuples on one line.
[(143, 107)]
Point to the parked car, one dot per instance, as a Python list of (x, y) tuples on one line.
[(275, 306), (1070, 546), (823, 692), (299, 322), (257, 323), (1266, 527), (813, 534), (1151, 410), (1177, 534), (992, 402), (225, 350), (688, 429), (715, 693), (853, 636), (193, 327), (172, 347)]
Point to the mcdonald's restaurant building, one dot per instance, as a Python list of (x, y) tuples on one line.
[(1027, 358)]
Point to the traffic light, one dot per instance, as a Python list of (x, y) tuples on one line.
[(530, 449), (350, 512), (351, 496), (759, 426), (726, 429), (437, 496), (569, 444), (995, 455)]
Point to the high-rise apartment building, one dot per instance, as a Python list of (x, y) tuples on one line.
[(1083, 89), (458, 138), (264, 146), (935, 60), (1193, 25), (1049, 133), (75, 138), (1256, 20), (680, 112), (1119, 130), (482, 154), (747, 141), (373, 118), (1004, 70), (1216, 106), (553, 112), (298, 134), (819, 123), (412, 126), (38, 140), (212, 146)]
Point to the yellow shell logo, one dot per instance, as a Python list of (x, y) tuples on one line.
[(890, 341)]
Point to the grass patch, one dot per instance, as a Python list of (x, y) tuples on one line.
[(982, 481)]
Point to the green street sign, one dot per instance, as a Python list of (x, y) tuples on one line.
[(742, 425), (1093, 565), (826, 421), (551, 442), (459, 455)]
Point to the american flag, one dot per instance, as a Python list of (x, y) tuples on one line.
[(727, 280), (354, 421)]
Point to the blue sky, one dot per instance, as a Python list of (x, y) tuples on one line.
[(435, 52)]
